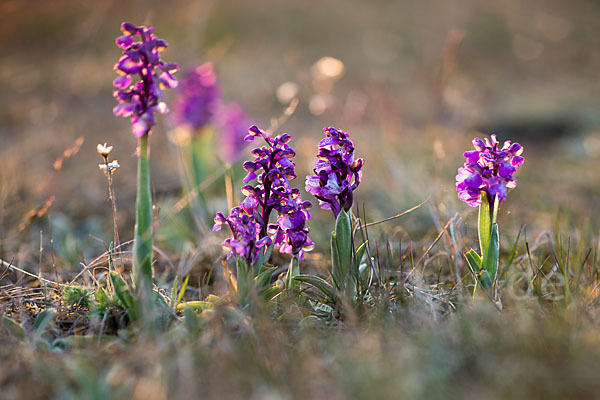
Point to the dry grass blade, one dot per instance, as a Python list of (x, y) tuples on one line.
[(68, 153), (437, 238), (14, 268), (36, 213), (99, 260), (398, 215)]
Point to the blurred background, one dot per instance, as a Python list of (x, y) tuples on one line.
[(412, 82)]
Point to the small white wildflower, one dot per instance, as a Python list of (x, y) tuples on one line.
[(110, 166), (104, 150)]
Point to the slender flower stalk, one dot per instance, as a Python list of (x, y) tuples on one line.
[(483, 181), (108, 168), (142, 76)]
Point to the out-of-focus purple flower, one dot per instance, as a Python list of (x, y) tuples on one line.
[(337, 173), (198, 97), (488, 168), (143, 75), (272, 169), (233, 122)]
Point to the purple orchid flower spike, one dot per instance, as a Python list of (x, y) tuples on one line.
[(143, 76), (272, 168), (198, 98), (488, 168), (337, 172)]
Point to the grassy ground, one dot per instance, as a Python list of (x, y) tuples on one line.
[(418, 82)]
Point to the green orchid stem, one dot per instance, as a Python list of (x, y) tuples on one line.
[(495, 211), (293, 271), (485, 267), (142, 242)]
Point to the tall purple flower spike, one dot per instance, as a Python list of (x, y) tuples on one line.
[(337, 173), (272, 169), (143, 75), (490, 169), (198, 97)]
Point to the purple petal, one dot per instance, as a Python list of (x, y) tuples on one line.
[(124, 41), (472, 156), (516, 161), (129, 66), (122, 81), (168, 80), (251, 176), (516, 149), (123, 110), (506, 170), (140, 127), (478, 144), (129, 28), (499, 189)]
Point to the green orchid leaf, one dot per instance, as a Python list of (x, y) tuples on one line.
[(320, 284), (485, 280), (474, 260), (360, 253), (124, 295), (293, 270), (490, 262), (42, 321), (243, 284), (337, 270), (343, 233), (270, 293), (190, 320), (13, 327), (174, 292), (263, 278), (484, 225)]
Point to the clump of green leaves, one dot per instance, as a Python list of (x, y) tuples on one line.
[(77, 297)]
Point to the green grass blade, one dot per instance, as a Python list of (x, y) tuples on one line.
[(183, 287)]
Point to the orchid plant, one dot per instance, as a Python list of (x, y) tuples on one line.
[(483, 181), (252, 235), (337, 176), (138, 90)]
